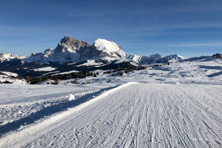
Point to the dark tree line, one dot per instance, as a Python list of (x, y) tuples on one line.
[(56, 78), (75, 75)]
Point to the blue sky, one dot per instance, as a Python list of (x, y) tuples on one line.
[(143, 27)]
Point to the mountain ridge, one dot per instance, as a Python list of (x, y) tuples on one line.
[(71, 50), (9, 56)]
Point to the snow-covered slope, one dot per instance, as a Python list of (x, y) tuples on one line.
[(175, 105), (8, 57), (10, 78), (109, 49), (133, 57), (132, 115)]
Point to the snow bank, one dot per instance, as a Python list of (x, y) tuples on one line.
[(45, 69)]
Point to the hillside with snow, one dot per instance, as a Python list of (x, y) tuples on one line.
[(172, 105)]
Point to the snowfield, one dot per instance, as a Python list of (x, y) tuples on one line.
[(135, 115), (176, 105), (21, 101)]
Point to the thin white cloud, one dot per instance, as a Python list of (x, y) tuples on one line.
[(215, 44), (12, 31), (7, 28), (9, 31), (160, 29), (93, 14), (192, 6)]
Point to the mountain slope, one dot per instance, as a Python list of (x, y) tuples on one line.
[(157, 58), (109, 49), (68, 50), (5, 57), (174, 58)]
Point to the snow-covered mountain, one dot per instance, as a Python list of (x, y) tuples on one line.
[(71, 50), (157, 58), (150, 59), (5, 57), (173, 58)]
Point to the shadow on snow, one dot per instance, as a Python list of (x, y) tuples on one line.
[(48, 111), (215, 74)]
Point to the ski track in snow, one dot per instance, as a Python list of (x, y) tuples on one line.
[(133, 115)]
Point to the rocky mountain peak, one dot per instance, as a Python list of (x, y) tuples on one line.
[(73, 43)]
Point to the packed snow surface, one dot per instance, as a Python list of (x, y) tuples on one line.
[(134, 115)]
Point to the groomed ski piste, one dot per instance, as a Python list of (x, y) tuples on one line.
[(177, 105)]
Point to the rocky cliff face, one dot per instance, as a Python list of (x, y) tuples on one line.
[(72, 44)]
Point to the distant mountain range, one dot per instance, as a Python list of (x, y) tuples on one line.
[(71, 50), (72, 54)]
